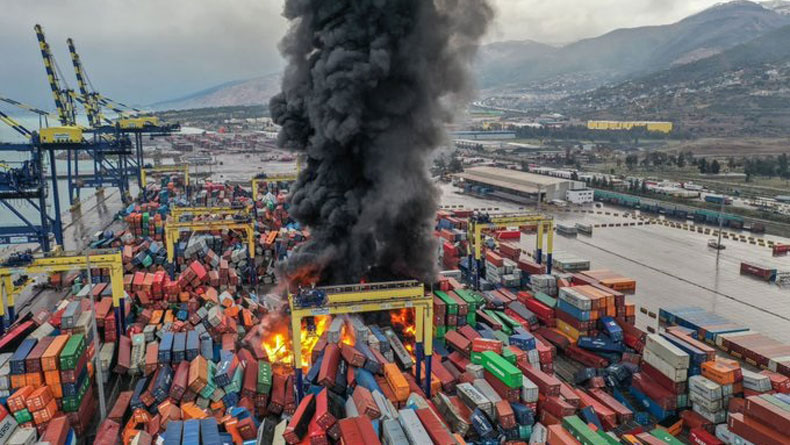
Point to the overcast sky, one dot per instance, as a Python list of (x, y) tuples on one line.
[(145, 51)]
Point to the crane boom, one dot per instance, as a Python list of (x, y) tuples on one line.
[(90, 100), (63, 101), (6, 119), (27, 107)]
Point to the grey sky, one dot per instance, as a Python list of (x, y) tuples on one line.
[(145, 51)]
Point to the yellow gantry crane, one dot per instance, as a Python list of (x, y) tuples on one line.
[(90, 99), (366, 297), (62, 96), (479, 222), (173, 228), (239, 212), (163, 169), (64, 262)]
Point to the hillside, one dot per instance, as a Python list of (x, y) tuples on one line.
[(623, 53), (742, 91), (255, 91)]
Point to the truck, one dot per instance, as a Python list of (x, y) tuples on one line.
[(718, 199)]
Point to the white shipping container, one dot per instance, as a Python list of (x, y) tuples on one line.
[(576, 299), (674, 374), (755, 382), (539, 434), (7, 427), (23, 436), (773, 362), (488, 391), (707, 388), (667, 351), (698, 399), (712, 416), (529, 391), (413, 428)]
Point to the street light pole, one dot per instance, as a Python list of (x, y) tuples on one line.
[(94, 329)]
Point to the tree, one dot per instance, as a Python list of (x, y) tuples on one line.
[(619, 162), (644, 186), (631, 161), (455, 165), (681, 161), (715, 168), (702, 165), (731, 163), (440, 164), (782, 167)]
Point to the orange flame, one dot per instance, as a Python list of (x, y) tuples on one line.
[(404, 319), (278, 345)]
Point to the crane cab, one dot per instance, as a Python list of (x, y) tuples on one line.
[(61, 135)]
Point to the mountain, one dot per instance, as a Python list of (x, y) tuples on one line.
[(256, 91), (623, 53), (744, 90), (780, 6)]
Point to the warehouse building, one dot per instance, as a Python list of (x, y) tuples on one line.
[(662, 127), (514, 185)]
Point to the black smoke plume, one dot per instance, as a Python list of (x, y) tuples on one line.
[(367, 91)]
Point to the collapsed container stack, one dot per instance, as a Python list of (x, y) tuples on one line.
[(165, 190), (48, 379)]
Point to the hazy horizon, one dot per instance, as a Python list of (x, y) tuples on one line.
[(150, 51)]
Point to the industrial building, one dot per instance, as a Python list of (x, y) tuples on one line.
[(661, 127), (514, 185), (579, 196)]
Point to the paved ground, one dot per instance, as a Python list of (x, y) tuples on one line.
[(671, 266)]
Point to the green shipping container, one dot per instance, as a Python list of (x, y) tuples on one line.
[(545, 299), (72, 404), (23, 416), (580, 431), (452, 306), (495, 315), (524, 431), (72, 352), (609, 439), (507, 320), (509, 356), (208, 390), (664, 436), (502, 369), (439, 331), (476, 358), (264, 377), (474, 302)]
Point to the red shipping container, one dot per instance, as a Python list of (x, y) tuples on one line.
[(547, 385), (458, 342), (698, 436), (481, 344), (754, 431), (366, 431)]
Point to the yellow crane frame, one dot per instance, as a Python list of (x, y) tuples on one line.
[(101, 259), (285, 177), (371, 297), (177, 212), (145, 171), (475, 229), (173, 228)]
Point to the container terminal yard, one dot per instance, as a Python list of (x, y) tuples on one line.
[(186, 305)]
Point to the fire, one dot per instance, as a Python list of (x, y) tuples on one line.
[(278, 345), (404, 319)]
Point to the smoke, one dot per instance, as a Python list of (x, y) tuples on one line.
[(367, 91)]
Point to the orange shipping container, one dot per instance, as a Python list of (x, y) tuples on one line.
[(17, 400), (39, 398), (49, 360), (396, 381)]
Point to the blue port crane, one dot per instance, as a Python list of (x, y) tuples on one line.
[(109, 149), (130, 121), (26, 185)]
